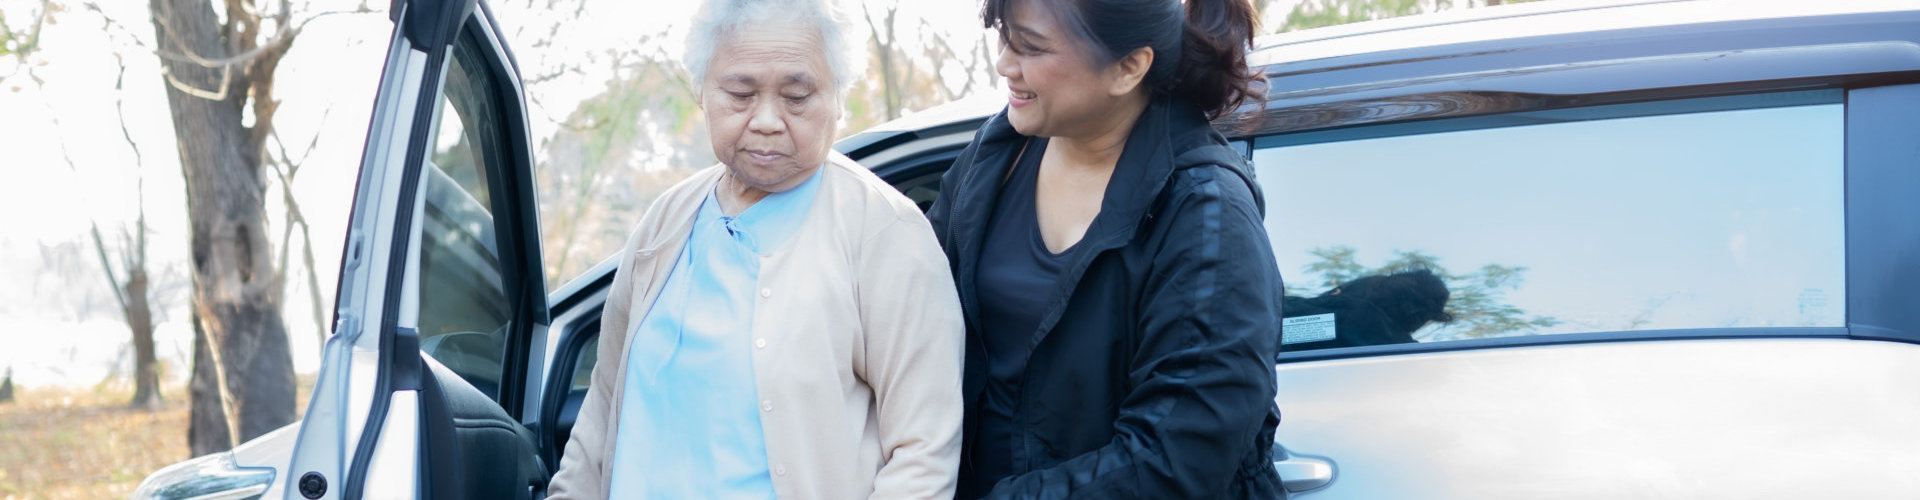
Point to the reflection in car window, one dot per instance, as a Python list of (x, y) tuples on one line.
[(463, 306), (1710, 213)]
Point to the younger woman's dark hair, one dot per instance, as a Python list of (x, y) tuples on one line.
[(1199, 49), (1410, 298)]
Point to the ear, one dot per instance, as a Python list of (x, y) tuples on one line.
[(1127, 73)]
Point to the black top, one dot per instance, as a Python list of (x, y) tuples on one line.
[(1150, 373), (1012, 293)]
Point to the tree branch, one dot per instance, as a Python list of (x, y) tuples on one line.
[(113, 282), (226, 80), (296, 217), (280, 40)]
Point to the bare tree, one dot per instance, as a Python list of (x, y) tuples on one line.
[(285, 167), (6, 387), (976, 65), (133, 293), (219, 73), (892, 79)]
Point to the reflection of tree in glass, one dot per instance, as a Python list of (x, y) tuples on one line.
[(1478, 300)]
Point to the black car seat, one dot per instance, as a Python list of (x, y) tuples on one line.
[(471, 448)]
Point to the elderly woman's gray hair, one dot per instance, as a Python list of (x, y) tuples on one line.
[(718, 20)]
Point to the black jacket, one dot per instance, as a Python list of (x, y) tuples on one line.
[(1152, 372)]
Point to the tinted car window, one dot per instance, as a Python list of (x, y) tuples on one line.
[(583, 366), (463, 307), (1706, 213)]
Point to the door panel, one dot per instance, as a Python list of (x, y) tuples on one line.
[(435, 287), (477, 284), (1701, 419), (1646, 300), (352, 395)]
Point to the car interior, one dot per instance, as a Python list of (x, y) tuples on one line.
[(473, 448)]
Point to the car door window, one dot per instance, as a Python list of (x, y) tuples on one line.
[(464, 308), (1705, 213)]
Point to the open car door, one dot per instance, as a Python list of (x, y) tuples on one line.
[(440, 285)]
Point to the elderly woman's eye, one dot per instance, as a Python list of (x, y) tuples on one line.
[(797, 99)]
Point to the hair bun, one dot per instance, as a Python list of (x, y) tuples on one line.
[(1213, 72)]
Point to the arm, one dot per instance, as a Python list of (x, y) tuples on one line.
[(913, 335), (581, 465), (1202, 376)]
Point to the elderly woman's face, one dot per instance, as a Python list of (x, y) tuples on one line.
[(770, 105)]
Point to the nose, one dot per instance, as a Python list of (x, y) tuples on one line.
[(765, 118), (1006, 65)]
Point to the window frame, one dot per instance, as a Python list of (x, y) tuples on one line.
[(1872, 58), (1766, 100), (509, 198)]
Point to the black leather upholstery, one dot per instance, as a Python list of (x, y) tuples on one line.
[(563, 423), (472, 448)]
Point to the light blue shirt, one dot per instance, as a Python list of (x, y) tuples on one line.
[(690, 417)]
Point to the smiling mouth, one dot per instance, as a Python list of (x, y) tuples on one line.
[(1024, 95)]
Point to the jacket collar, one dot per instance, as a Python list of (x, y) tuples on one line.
[(1169, 135)]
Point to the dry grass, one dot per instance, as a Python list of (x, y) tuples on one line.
[(61, 443)]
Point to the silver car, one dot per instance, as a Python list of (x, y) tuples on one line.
[(1652, 249)]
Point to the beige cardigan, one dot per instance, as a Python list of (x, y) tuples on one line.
[(857, 338)]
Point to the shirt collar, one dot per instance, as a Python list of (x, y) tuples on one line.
[(772, 220)]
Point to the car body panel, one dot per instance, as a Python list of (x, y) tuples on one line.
[(1698, 419)]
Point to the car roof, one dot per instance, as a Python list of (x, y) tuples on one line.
[(1422, 37), (1537, 19)]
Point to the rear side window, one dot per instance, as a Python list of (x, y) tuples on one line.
[(1704, 213)]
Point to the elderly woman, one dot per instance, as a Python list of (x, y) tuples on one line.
[(784, 323)]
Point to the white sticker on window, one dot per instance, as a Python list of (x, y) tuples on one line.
[(1303, 329)]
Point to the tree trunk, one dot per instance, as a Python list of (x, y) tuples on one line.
[(235, 296), (146, 376), (883, 46), (207, 430)]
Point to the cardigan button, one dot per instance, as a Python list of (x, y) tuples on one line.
[(766, 406), (779, 470), (760, 343), (766, 292)]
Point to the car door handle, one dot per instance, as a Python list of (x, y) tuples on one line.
[(1301, 473)]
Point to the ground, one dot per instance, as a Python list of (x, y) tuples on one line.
[(63, 443)]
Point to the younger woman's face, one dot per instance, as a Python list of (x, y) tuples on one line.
[(1056, 88)]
